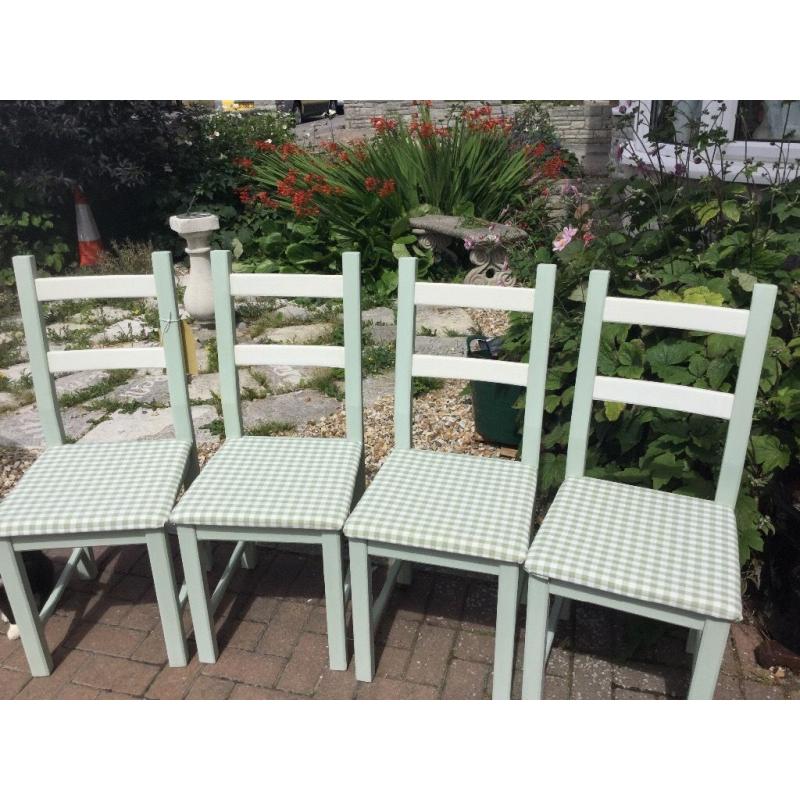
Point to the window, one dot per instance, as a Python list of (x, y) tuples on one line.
[(760, 138)]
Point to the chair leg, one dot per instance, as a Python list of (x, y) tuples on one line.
[(405, 574), (334, 599), (708, 659), (87, 566), (361, 583), (566, 609), (250, 556), (167, 597), (535, 638), (197, 589), (505, 631), (26, 615), (206, 555)]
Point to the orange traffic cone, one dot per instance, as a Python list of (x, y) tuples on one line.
[(89, 245)]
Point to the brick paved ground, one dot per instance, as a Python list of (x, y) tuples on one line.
[(436, 641)]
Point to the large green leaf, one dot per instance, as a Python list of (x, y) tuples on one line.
[(770, 453)]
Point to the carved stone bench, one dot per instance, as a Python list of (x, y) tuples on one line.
[(486, 245)]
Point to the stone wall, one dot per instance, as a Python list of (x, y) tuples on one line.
[(584, 127)]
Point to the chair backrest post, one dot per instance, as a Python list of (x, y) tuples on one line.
[(221, 261), (353, 401), (36, 341), (587, 369), (741, 420), (538, 360), (404, 352), (170, 324)]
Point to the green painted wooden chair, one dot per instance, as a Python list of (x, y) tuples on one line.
[(450, 509), (262, 489), (666, 556), (114, 493)]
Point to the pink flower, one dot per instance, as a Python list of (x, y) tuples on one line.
[(564, 238), (469, 243)]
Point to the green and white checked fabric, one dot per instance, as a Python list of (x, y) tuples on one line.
[(449, 502), (274, 482), (641, 543), (108, 486)]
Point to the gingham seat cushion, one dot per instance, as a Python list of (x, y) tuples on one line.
[(108, 486), (449, 502), (641, 543), (274, 482)]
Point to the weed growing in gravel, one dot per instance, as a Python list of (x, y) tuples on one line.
[(115, 378), (270, 428)]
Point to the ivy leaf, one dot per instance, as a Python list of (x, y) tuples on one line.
[(718, 344), (613, 410), (717, 371), (747, 521), (668, 354), (702, 295), (552, 467), (698, 365), (770, 453), (744, 279), (731, 210)]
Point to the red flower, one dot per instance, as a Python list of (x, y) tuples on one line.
[(424, 130), (553, 166), (387, 188), (371, 184), (539, 150), (383, 124), (266, 200), (245, 163), (243, 194), (264, 146), (288, 149)]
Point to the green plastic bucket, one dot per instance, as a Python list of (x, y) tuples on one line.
[(496, 419)]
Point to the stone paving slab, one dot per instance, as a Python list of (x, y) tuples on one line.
[(444, 321), (426, 345), (144, 424), (22, 428), (293, 408), (436, 640), (297, 334)]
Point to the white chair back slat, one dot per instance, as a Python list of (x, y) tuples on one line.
[(247, 284), (684, 316), (672, 397), (106, 358), (93, 287), (469, 369), (296, 355), (451, 295)]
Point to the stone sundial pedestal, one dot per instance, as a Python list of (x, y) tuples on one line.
[(197, 228)]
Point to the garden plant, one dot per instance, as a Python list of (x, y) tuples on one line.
[(665, 236)]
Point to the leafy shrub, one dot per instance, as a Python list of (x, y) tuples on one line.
[(25, 228), (137, 161), (670, 238)]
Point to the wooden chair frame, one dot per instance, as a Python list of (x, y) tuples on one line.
[(539, 301), (32, 292), (708, 636), (227, 285)]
